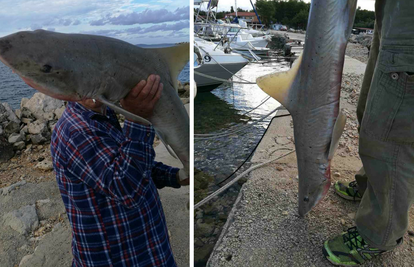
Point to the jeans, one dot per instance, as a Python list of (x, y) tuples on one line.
[(385, 114)]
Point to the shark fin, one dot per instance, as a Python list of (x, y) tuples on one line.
[(177, 57), (124, 112), (167, 146), (336, 133), (277, 85)]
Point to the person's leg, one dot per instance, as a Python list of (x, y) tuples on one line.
[(386, 143), (355, 190), (387, 132)]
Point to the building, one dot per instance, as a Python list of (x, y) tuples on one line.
[(249, 17)]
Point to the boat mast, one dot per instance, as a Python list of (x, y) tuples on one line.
[(235, 3)]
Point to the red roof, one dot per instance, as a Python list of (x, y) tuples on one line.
[(242, 14)]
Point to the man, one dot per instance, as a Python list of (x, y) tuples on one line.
[(108, 180), (385, 112)]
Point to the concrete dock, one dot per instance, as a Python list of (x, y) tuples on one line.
[(264, 229)]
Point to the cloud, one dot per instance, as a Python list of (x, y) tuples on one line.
[(65, 22), (173, 28), (76, 22), (147, 16), (34, 27)]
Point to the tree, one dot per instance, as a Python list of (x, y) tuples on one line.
[(300, 21), (266, 11), (231, 9)]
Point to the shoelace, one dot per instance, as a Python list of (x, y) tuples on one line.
[(354, 186), (352, 241)]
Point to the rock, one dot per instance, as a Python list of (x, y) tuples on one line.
[(8, 189), (12, 127), (22, 220), (23, 102), (352, 215), (15, 137), (52, 125), (59, 112), (47, 208), (279, 168), (10, 114), (3, 116), (37, 127), (26, 259), (337, 174), (27, 120), (19, 145), (49, 116), (6, 150), (2, 109), (40, 105), (1, 130), (37, 139), (28, 149), (26, 113), (45, 165), (24, 130), (54, 249), (18, 113)]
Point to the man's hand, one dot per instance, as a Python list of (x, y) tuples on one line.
[(143, 97)]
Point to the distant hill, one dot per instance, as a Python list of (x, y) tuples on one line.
[(154, 45)]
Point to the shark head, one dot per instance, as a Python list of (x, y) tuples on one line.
[(314, 185), (31, 55)]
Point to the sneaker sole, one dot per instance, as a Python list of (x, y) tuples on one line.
[(326, 254)]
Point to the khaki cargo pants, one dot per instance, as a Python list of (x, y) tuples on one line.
[(386, 116)]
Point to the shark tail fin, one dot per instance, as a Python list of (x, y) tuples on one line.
[(277, 85), (177, 57), (337, 132)]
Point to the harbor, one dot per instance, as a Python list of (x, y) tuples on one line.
[(229, 122)]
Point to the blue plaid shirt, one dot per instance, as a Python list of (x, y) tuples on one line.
[(108, 180)]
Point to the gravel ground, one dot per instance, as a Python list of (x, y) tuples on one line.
[(264, 229), (357, 51)]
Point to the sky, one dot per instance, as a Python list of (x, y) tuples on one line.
[(134, 21), (225, 5)]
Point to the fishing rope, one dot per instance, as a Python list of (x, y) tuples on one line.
[(264, 101), (230, 132), (251, 153), (221, 189), (219, 79)]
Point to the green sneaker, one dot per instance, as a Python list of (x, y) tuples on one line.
[(349, 191), (349, 249)]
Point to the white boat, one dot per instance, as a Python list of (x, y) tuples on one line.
[(218, 62)]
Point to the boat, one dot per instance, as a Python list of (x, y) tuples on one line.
[(218, 64)]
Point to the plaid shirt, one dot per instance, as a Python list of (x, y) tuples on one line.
[(108, 180)]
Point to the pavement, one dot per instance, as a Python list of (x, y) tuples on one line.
[(264, 229)]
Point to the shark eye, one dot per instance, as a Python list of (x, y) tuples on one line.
[(46, 68)]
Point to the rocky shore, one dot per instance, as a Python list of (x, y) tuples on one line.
[(34, 228)]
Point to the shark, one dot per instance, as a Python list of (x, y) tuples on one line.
[(74, 67), (310, 91)]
